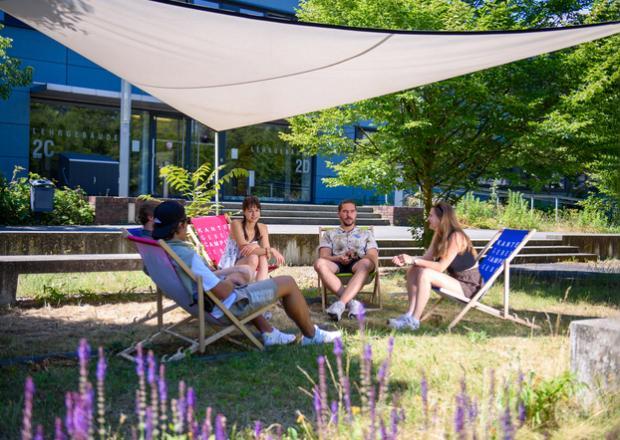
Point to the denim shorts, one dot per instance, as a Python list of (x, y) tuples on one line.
[(251, 297)]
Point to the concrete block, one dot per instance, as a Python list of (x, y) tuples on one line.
[(595, 355)]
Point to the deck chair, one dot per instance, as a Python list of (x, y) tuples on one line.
[(210, 234), (158, 257), (375, 297), (494, 259)]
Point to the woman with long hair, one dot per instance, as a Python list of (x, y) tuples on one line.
[(450, 250), (248, 243)]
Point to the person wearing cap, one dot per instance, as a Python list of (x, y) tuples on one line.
[(170, 224)]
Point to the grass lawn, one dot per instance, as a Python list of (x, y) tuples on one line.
[(57, 310)]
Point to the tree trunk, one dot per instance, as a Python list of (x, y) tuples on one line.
[(427, 195)]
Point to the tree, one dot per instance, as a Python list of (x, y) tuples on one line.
[(11, 73), (588, 118), (446, 135)]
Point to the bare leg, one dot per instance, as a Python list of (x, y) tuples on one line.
[(428, 278), (250, 260), (238, 274), (412, 287), (262, 324), (361, 269), (327, 271), (262, 271), (294, 304)]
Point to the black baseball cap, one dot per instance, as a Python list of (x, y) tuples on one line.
[(167, 216)]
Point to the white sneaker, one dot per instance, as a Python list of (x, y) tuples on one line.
[(404, 322), (321, 337), (276, 337), (336, 310), (356, 308)]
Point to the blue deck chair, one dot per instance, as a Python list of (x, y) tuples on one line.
[(158, 258), (494, 259)]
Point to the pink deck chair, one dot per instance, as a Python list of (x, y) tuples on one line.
[(212, 233), (157, 257)]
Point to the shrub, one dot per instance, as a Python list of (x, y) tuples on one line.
[(70, 205), (474, 212), (517, 213)]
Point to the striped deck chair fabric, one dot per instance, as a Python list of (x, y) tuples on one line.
[(212, 233)]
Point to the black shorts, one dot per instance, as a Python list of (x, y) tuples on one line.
[(346, 268)]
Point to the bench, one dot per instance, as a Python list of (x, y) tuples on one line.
[(11, 266)]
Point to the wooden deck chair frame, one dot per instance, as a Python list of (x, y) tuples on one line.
[(474, 302), (376, 297), (200, 247), (199, 344)]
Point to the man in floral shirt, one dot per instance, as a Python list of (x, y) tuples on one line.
[(346, 249)]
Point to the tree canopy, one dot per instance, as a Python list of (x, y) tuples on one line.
[(446, 135)]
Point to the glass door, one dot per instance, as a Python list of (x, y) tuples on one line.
[(168, 146)]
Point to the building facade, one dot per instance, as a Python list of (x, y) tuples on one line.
[(71, 114)]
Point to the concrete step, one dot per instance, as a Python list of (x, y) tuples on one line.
[(478, 243), (296, 207), (268, 213), (386, 260), (561, 249), (333, 221), (554, 258)]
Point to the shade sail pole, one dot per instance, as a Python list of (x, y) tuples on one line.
[(216, 176), (123, 181)]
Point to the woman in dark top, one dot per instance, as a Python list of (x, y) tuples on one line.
[(450, 250)]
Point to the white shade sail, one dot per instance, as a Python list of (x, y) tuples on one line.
[(230, 71)]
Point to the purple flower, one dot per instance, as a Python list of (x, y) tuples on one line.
[(39, 434), (83, 356), (101, 366), (27, 418), (373, 412), (507, 426), (163, 387), (334, 410), (318, 407), (139, 361), (69, 404), (206, 426), (220, 427), (83, 352), (361, 317), (347, 397), (394, 420), (80, 417), (322, 388), (258, 429), (459, 417), (152, 368), (58, 434), (383, 430), (424, 394), (522, 412), (338, 347), (148, 429)]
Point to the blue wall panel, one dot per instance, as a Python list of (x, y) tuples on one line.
[(14, 128), (33, 45), (46, 72), (93, 78)]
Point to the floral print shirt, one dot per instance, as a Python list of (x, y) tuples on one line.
[(358, 240)]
